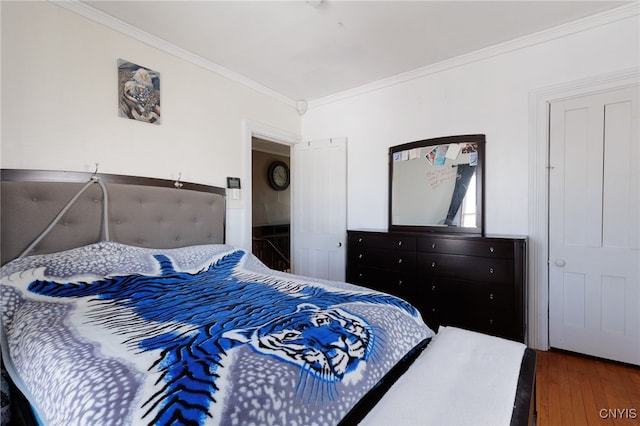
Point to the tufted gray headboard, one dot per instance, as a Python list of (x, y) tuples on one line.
[(142, 212)]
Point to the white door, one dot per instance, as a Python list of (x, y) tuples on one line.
[(594, 235), (319, 221)]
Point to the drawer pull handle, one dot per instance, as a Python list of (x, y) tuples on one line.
[(433, 264), (399, 282), (433, 288), (360, 239), (360, 275), (360, 256), (491, 270), (491, 249), (400, 260), (433, 245), (490, 322), (491, 296), (399, 243)]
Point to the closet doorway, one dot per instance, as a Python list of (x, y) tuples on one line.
[(271, 203)]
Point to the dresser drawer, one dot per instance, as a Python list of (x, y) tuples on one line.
[(487, 270), (394, 260), (490, 298), (484, 248), (484, 269), (396, 283), (437, 292), (496, 323), (386, 241)]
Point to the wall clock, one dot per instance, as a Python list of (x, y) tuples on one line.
[(279, 175)]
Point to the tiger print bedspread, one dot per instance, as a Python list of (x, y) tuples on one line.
[(109, 334)]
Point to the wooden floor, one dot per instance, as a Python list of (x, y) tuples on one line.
[(574, 390)]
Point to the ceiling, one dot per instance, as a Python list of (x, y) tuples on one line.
[(307, 50)]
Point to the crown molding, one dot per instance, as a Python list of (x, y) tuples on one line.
[(109, 21), (560, 31), (613, 15)]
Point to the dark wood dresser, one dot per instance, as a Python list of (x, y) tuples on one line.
[(468, 281)]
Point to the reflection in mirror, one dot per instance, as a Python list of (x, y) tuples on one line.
[(436, 184)]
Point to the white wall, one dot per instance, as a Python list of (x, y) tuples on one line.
[(59, 110), (489, 96), (60, 106)]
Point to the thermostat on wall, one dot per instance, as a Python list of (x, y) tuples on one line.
[(233, 183)]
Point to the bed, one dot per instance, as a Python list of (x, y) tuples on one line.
[(131, 309)]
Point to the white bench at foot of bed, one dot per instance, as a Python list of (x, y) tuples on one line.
[(461, 378)]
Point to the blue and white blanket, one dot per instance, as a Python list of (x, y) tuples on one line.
[(113, 334)]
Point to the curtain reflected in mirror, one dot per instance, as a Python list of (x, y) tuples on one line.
[(437, 184)]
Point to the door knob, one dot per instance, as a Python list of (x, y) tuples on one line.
[(560, 263), (339, 244)]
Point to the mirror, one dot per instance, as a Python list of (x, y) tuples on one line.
[(436, 185)]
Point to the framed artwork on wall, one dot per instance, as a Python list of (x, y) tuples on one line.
[(138, 92)]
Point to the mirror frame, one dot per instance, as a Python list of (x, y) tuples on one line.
[(480, 140)]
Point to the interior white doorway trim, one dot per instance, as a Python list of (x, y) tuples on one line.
[(241, 218), (538, 225)]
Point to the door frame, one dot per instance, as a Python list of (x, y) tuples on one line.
[(251, 129), (538, 214)]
